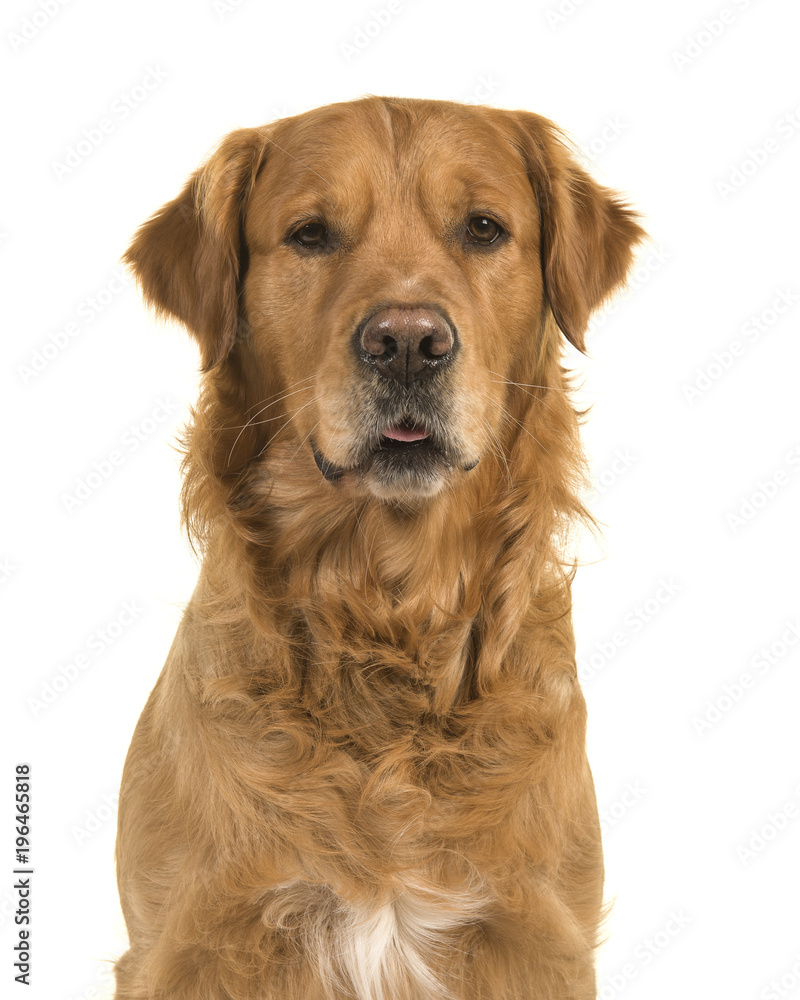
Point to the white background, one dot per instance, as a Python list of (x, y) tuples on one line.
[(684, 107)]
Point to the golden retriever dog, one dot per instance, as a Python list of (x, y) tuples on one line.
[(362, 773)]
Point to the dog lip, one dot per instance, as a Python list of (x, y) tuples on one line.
[(406, 432), (333, 473)]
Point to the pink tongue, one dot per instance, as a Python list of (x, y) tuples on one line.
[(403, 433)]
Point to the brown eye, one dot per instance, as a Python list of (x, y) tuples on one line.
[(312, 235), (481, 229)]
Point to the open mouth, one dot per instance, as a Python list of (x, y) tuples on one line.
[(409, 459), (403, 447), (403, 435)]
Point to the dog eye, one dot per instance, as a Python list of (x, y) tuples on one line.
[(482, 229), (312, 235)]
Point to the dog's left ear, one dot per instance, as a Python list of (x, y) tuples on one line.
[(188, 257), (588, 232)]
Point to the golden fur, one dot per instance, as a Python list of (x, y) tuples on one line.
[(362, 771)]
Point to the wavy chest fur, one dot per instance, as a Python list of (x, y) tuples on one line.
[(377, 948), (377, 813), (391, 736)]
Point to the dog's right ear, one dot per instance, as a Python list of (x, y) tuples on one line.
[(188, 257)]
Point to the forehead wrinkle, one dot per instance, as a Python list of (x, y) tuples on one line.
[(437, 155), (348, 159), (392, 156), (473, 183)]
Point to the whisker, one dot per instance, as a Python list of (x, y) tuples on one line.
[(313, 171), (252, 421), (550, 388), (507, 413), (305, 438), (287, 389), (521, 385), (529, 385), (285, 424), (524, 428), (496, 447), (274, 402)]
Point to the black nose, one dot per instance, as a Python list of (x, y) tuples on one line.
[(406, 344)]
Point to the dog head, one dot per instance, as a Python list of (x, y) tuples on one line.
[(374, 275)]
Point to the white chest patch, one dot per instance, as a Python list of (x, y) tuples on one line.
[(383, 951)]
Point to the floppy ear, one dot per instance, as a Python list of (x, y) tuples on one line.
[(588, 232), (188, 258)]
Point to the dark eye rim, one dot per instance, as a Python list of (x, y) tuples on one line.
[(321, 243), (498, 232), (323, 239)]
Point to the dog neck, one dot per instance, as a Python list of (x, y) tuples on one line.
[(419, 588)]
